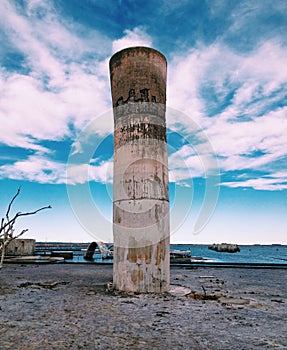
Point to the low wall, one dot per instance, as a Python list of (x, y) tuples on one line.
[(20, 247)]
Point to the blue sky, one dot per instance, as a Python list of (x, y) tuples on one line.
[(226, 116)]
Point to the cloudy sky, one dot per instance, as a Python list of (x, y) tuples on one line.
[(226, 115)]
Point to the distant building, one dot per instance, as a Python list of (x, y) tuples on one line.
[(20, 247)]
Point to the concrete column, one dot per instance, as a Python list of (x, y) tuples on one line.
[(140, 203)]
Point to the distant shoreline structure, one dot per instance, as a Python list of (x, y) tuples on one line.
[(85, 244), (256, 255), (225, 247)]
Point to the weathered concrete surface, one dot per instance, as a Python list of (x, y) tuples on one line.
[(136, 69), (21, 247), (141, 202), (66, 306)]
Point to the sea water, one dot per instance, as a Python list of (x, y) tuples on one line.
[(267, 254), (259, 254)]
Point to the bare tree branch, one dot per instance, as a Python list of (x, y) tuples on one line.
[(33, 212), (11, 202), (7, 228), (19, 234), (17, 215)]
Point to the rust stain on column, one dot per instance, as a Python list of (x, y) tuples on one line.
[(140, 203)]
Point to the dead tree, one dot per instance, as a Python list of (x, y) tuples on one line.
[(7, 231)]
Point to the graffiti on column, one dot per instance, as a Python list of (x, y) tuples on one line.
[(144, 97)]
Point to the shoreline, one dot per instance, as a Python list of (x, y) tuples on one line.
[(204, 263), (67, 306), (263, 254)]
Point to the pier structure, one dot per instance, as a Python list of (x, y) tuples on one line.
[(140, 185)]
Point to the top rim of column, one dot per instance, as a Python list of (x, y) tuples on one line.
[(120, 53)]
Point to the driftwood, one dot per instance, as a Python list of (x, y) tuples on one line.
[(7, 231)]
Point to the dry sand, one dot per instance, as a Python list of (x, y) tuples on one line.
[(61, 306)]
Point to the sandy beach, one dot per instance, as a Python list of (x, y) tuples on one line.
[(68, 306)]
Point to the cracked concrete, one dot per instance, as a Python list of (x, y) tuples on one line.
[(59, 306)]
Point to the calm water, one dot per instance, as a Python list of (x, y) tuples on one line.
[(248, 254), (276, 254)]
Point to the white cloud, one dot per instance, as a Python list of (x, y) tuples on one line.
[(184, 78), (276, 181), (36, 169), (26, 110), (82, 173), (42, 170), (135, 37), (185, 164), (49, 42), (27, 38), (218, 67), (267, 134), (267, 184), (231, 96), (250, 86), (60, 88)]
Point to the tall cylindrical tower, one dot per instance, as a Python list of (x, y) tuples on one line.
[(140, 203)]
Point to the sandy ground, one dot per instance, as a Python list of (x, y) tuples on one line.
[(61, 306)]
